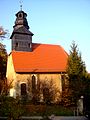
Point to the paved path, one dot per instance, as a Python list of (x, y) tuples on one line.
[(57, 118), (54, 118), (70, 118)]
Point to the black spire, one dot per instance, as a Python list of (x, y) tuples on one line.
[(21, 20), (21, 4), (21, 36)]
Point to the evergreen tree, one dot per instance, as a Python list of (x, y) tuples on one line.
[(76, 71)]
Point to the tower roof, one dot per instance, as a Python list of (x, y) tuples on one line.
[(21, 30), (21, 20)]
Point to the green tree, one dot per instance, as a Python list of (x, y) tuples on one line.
[(3, 61), (87, 94), (50, 91), (87, 83), (3, 58), (76, 71), (10, 108), (46, 91)]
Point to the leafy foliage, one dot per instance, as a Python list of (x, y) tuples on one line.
[(3, 58), (75, 64), (49, 91), (3, 54), (76, 71), (47, 110), (10, 107), (87, 85), (65, 99), (87, 93), (3, 61), (3, 33), (45, 92)]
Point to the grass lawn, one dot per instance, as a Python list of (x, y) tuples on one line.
[(41, 110)]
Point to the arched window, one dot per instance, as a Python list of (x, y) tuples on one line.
[(20, 15), (33, 84), (23, 89)]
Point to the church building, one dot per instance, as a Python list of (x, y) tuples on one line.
[(29, 63)]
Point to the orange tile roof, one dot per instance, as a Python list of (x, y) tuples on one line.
[(43, 58)]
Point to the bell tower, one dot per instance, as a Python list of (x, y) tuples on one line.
[(21, 36)]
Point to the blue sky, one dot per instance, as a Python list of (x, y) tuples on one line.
[(52, 22)]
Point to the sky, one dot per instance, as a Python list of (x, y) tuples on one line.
[(53, 22)]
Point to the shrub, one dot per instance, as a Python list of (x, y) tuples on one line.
[(10, 107)]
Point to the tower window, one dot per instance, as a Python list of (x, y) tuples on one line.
[(29, 45), (17, 44), (20, 15)]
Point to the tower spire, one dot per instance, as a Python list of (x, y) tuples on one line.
[(20, 1), (21, 36)]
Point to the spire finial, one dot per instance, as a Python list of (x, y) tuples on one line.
[(20, 1)]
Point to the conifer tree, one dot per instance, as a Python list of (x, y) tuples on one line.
[(76, 71)]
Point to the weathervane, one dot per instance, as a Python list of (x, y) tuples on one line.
[(20, 1)]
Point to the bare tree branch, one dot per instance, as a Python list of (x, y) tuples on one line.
[(3, 33)]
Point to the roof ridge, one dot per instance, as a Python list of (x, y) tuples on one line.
[(47, 44)]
